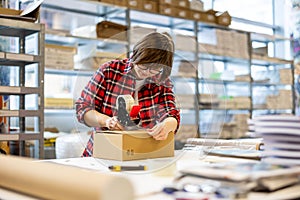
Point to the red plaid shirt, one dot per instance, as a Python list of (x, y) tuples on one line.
[(115, 78)]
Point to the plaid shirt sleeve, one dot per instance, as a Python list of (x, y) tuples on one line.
[(167, 103), (91, 95)]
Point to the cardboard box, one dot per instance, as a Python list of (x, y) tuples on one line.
[(107, 29), (169, 2), (182, 3), (131, 145), (223, 18), (182, 13), (197, 15), (209, 16), (135, 4), (168, 10), (30, 14), (121, 2), (196, 5), (150, 6), (59, 57), (67, 103)]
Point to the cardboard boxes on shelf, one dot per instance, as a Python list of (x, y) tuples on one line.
[(131, 145), (59, 57), (111, 30), (185, 101), (283, 100), (30, 13), (286, 76), (59, 103), (138, 32), (181, 42), (187, 69), (228, 43)]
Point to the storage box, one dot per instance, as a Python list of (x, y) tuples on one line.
[(166, 9), (187, 68), (223, 18), (150, 6), (107, 29), (196, 5), (209, 16), (135, 4), (182, 3), (170, 2), (30, 13), (138, 32), (182, 13), (131, 145), (121, 2), (59, 57), (67, 103)]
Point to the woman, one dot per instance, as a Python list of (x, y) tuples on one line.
[(144, 76)]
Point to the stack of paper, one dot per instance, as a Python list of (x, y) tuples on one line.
[(281, 137), (248, 180)]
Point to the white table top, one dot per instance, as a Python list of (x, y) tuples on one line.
[(147, 184)]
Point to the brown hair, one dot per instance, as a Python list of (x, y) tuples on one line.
[(157, 50)]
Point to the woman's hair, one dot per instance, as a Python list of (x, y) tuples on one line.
[(156, 50)]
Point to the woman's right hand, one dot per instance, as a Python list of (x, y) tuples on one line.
[(112, 123)]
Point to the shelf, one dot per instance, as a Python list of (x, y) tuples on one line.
[(16, 28), (223, 58), (19, 136), (69, 72), (260, 84), (235, 55), (64, 37), (7, 90), (259, 37), (224, 109), (18, 33), (20, 113), (12, 59), (213, 81), (263, 60)]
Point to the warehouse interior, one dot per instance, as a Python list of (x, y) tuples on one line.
[(235, 76)]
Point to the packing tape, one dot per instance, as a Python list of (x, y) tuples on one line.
[(129, 102)]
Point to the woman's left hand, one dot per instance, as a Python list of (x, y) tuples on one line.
[(161, 130)]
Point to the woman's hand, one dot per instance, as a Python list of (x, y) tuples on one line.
[(113, 124), (161, 130)]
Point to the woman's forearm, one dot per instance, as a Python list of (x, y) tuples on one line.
[(95, 119)]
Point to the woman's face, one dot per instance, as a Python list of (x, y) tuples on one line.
[(143, 72)]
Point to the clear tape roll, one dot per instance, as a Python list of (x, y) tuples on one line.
[(129, 102)]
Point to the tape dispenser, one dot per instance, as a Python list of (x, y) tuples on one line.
[(127, 109)]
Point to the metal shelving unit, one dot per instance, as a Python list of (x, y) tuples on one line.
[(131, 17), (22, 61)]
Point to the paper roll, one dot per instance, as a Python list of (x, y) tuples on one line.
[(55, 181)]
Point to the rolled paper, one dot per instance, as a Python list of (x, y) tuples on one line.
[(48, 180)]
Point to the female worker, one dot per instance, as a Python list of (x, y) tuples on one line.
[(144, 76)]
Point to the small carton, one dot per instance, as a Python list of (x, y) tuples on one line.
[(150, 6), (182, 3), (121, 2), (131, 145), (135, 4), (108, 29), (166, 9), (30, 13), (223, 18)]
